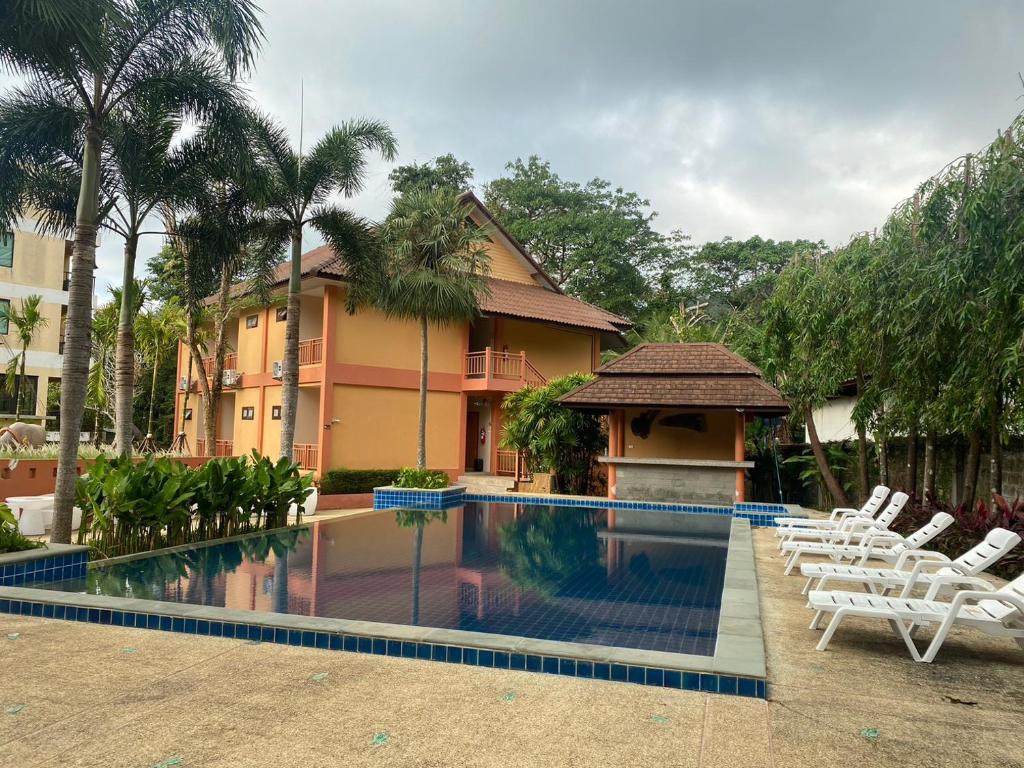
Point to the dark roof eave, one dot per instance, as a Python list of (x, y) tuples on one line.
[(603, 407)]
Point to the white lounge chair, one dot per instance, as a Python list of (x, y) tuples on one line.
[(930, 568), (998, 612), (858, 526), (870, 508), (881, 545)]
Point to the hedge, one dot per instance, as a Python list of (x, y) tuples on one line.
[(356, 480)]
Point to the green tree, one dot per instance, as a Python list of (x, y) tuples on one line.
[(443, 172), (83, 61), (563, 441), (159, 331), (299, 193), (596, 241), (434, 270), (28, 320)]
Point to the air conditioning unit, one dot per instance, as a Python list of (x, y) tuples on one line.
[(278, 369), (231, 377)]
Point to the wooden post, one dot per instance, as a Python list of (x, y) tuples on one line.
[(487, 366), (613, 450), (740, 455), (522, 366)]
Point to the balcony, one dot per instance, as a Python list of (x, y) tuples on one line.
[(499, 372), (511, 464), (311, 352), (230, 363), (306, 455), (220, 448)]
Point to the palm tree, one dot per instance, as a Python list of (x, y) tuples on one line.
[(84, 60), (98, 384), (27, 321), (158, 334), (300, 192), (435, 268)]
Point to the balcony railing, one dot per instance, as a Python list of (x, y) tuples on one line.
[(511, 464), (220, 448), (230, 363), (306, 455), (311, 352), (502, 371)]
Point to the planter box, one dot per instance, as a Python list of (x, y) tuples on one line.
[(35, 477), (54, 562), (344, 501), (390, 497)]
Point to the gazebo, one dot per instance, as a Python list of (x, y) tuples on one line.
[(676, 416)]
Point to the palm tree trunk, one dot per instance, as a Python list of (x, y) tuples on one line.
[(17, 385), (124, 361), (188, 383), (290, 372), (217, 374), (971, 468), (831, 484), (929, 464), (417, 561), (75, 366), (995, 456), (421, 442)]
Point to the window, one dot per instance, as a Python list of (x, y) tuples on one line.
[(188, 414), (252, 321), (282, 314), (275, 412), (248, 413), (6, 249), (5, 323), (28, 396)]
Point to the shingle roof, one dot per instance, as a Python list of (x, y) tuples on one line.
[(679, 376), (532, 302)]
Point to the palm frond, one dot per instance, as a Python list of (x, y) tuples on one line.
[(338, 160)]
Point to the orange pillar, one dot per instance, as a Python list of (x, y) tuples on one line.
[(740, 455), (613, 449), (327, 358)]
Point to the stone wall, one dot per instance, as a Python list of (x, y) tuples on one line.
[(686, 484)]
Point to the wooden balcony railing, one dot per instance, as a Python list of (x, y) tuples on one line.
[(220, 448), (503, 371), (311, 351), (511, 464), (230, 363), (306, 455)]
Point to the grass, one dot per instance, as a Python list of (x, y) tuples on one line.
[(87, 452)]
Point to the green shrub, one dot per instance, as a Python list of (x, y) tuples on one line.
[(11, 539), (356, 480), (159, 502), (430, 479)]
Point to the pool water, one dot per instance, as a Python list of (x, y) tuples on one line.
[(577, 574)]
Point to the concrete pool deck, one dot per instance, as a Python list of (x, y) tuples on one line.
[(109, 696)]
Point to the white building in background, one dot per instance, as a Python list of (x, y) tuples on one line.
[(32, 263), (834, 420)]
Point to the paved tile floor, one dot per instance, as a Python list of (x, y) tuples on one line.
[(84, 695)]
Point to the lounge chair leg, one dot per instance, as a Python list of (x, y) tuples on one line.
[(816, 620), (791, 564), (902, 631), (807, 586), (831, 629)]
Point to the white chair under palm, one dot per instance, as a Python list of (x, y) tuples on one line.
[(879, 545), (998, 612), (929, 568), (852, 529), (870, 508)]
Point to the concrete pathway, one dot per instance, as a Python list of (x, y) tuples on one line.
[(85, 695)]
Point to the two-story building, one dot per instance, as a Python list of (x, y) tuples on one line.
[(359, 373), (33, 263)]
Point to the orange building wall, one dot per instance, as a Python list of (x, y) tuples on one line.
[(271, 427), (377, 428), (670, 443), (553, 351), (246, 433), (250, 340)]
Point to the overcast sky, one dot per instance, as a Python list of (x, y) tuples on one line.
[(786, 119)]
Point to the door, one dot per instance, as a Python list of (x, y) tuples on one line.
[(472, 436)]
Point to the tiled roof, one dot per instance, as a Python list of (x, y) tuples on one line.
[(679, 376), (532, 302), (704, 358)]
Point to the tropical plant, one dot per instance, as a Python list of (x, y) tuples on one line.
[(159, 331), (11, 539), (434, 272), (547, 549), (563, 441), (27, 320), (430, 479), (83, 61), (299, 193)]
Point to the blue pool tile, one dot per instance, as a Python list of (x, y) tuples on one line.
[(655, 677), (364, 644), (48, 611), (485, 658), (408, 649), (178, 625), (190, 626), (380, 646), (153, 621), (294, 637), (602, 671), (746, 686), (469, 656), (454, 654), (350, 643), (165, 623), (619, 672), (322, 640), (94, 616), (636, 675), (534, 663), (517, 661), (394, 648), (709, 683), (438, 653), (673, 678), (203, 627), (59, 611), (550, 665), (727, 684), (334, 642), (584, 669), (567, 667), (500, 660), (691, 681), (762, 689)]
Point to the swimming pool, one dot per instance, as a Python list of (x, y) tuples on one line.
[(641, 580)]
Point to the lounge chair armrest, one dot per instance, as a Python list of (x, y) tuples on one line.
[(1002, 596), (943, 581), (876, 538), (839, 512), (921, 555), (858, 524)]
